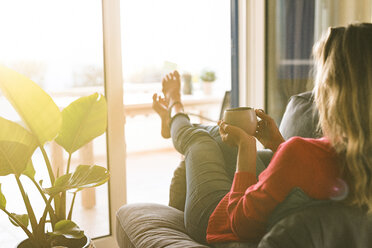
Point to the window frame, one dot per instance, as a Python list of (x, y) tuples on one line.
[(248, 86), (116, 149), (252, 45)]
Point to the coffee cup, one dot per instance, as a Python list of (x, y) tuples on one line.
[(243, 117)]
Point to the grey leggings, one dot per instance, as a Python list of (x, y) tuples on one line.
[(210, 168)]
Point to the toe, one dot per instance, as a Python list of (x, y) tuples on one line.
[(176, 75), (154, 97)]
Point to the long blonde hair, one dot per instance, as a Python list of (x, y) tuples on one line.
[(343, 94)]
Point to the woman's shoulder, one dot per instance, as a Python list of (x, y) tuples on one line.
[(297, 140), (306, 144)]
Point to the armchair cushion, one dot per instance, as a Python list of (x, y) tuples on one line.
[(300, 117), (146, 225), (325, 225)]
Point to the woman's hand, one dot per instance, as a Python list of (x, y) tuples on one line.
[(267, 132), (233, 135), (246, 144)]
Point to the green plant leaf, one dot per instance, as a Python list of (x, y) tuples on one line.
[(68, 229), (85, 176), (83, 120), (23, 218), (12, 131), (14, 157), (30, 170), (34, 105), (2, 199)]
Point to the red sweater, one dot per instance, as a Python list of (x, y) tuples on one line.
[(242, 214)]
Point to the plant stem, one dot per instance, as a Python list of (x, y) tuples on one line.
[(28, 233), (52, 178), (72, 206), (49, 167), (63, 194), (57, 204), (40, 190), (47, 203), (43, 217), (40, 235), (63, 205), (68, 163), (29, 209)]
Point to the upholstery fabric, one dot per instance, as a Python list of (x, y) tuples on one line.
[(152, 225), (320, 225), (324, 225), (300, 117), (177, 189)]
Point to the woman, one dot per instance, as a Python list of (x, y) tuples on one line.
[(222, 206)]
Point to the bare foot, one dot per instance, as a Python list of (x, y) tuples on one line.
[(172, 87), (161, 108)]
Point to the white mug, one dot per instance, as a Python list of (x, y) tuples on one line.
[(243, 117)]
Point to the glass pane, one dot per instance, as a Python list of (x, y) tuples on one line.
[(293, 27), (58, 44), (157, 37)]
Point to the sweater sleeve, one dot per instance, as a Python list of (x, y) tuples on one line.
[(249, 203)]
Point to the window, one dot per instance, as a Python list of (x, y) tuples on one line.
[(289, 42), (292, 28), (50, 42), (159, 37)]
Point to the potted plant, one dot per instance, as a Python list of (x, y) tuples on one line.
[(72, 128), (207, 77), (187, 83)]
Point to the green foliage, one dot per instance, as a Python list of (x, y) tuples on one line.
[(85, 176), (2, 199), (83, 120), (14, 157), (208, 76), (68, 229), (22, 218), (36, 108), (30, 170), (79, 123), (12, 131)]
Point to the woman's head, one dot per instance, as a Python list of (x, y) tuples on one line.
[(343, 94)]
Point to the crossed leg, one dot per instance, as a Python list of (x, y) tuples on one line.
[(210, 164)]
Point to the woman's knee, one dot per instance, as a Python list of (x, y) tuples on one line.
[(188, 136)]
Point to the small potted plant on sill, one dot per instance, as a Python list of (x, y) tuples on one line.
[(72, 128), (207, 77), (187, 83)]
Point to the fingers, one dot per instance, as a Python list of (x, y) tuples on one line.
[(259, 130), (261, 113), (224, 135), (229, 129), (221, 124)]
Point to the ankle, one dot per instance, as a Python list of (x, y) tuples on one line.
[(174, 98)]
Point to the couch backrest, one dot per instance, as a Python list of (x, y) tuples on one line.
[(300, 117), (325, 225)]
